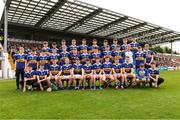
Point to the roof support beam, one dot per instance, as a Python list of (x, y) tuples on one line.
[(143, 32), (106, 26), (84, 19), (156, 35), (51, 12), (127, 29), (8, 2)]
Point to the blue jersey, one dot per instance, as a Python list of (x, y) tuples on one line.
[(84, 57), (71, 47), (77, 69), (107, 53), (54, 69), (120, 55), (47, 50), (81, 47), (117, 67), (44, 60), (66, 69), (20, 60), (113, 46), (29, 74), (57, 50), (107, 67), (97, 67), (95, 55), (41, 73), (32, 60), (87, 68), (124, 47), (54, 57), (153, 72), (139, 58), (148, 55), (142, 73), (63, 56), (73, 57), (128, 67), (93, 46), (134, 46)]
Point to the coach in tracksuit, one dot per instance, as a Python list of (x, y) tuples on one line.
[(20, 63)]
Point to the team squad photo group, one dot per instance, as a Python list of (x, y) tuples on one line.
[(81, 67)]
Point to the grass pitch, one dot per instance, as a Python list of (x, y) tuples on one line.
[(148, 103)]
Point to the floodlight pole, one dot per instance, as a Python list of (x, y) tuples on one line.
[(5, 53), (171, 49), (5, 27)]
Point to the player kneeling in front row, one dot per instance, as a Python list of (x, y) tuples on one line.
[(107, 76), (128, 70), (54, 75), (142, 76), (118, 74), (42, 77), (29, 78), (78, 73), (87, 76), (97, 70), (155, 80)]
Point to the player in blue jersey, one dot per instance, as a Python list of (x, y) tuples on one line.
[(54, 74), (128, 70), (139, 57), (88, 74), (107, 76), (114, 45), (107, 53), (142, 76), (95, 54), (54, 56), (94, 45), (29, 78), (124, 45), (44, 59), (54, 47), (63, 55), (83, 45), (63, 43), (42, 75), (97, 72), (149, 55), (78, 73), (46, 48), (105, 43), (73, 45), (32, 59), (118, 74), (155, 80), (74, 55), (134, 45), (119, 55), (67, 73), (20, 64), (84, 56)]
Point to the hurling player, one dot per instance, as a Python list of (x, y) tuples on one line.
[(118, 74), (97, 72), (128, 70), (29, 78), (32, 60), (149, 55), (139, 57)]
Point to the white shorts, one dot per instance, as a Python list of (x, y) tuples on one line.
[(66, 77), (77, 76)]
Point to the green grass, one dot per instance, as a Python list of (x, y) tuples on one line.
[(162, 103)]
